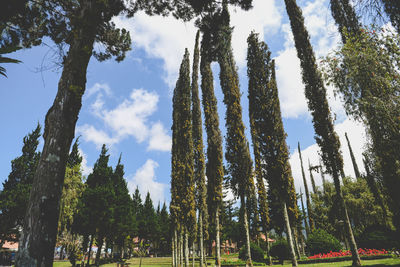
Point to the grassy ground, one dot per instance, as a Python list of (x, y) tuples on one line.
[(166, 261)]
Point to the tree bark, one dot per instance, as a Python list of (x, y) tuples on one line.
[(268, 249), (186, 248), (246, 229), (38, 239), (98, 253), (201, 240), (90, 250), (217, 240), (289, 235), (173, 250)]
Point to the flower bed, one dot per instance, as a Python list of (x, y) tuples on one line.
[(365, 254), (361, 252)]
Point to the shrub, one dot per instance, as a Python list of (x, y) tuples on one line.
[(378, 237), (257, 254), (320, 241), (280, 250)]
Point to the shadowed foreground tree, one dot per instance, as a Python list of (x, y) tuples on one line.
[(315, 92), (267, 129), (77, 25)]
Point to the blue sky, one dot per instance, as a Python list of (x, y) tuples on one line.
[(128, 105)]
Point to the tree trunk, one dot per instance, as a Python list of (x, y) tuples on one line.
[(38, 239), (173, 250), (217, 240), (181, 254), (268, 249), (90, 249), (201, 239), (186, 248), (289, 235), (246, 229), (296, 242), (193, 253), (98, 253)]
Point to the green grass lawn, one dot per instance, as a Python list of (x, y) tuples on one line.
[(166, 261)]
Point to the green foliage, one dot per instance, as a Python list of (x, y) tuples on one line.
[(257, 254), (183, 208), (280, 250), (199, 160), (320, 241), (16, 188), (378, 237), (365, 72), (74, 157), (268, 133)]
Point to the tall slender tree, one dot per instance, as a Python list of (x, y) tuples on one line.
[(353, 159), (266, 121), (308, 199), (310, 169), (345, 17), (392, 8), (237, 152), (304, 214), (199, 160), (315, 92), (214, 165), (183, 164)]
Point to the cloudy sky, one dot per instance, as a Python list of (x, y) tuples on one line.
[(128, 105)]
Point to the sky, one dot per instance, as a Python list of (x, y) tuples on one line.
[(128, 105)]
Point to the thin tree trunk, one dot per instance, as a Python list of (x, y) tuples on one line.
[(246, 229), (217, 240), (193, 253), (296, 242), (181, 252), (308, 201), (353, 159), (186, 247), (90, 250), (268, 249), (201, 239), (98, 254), (289, 235), (173, 250), (38, 239)]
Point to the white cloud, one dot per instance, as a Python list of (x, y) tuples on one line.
[(129, 118), (159, 139), (145, 179), (98, 87), (86, 170), (98, 137), (262, 18), (167, 38), (356, 134), (324, 38)]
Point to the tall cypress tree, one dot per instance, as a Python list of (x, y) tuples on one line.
[(74, 157), (183, 164), (304, 214), (270, 136), (353, 159), (310, 169), (214, 166), (199, 160), (392, 8), (315, 92), (15, 195), (345, 17), (308, 199), (237, 148)]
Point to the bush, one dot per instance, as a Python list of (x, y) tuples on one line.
[(320, 241), (257, 254), (378, 237), (280, 250)]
